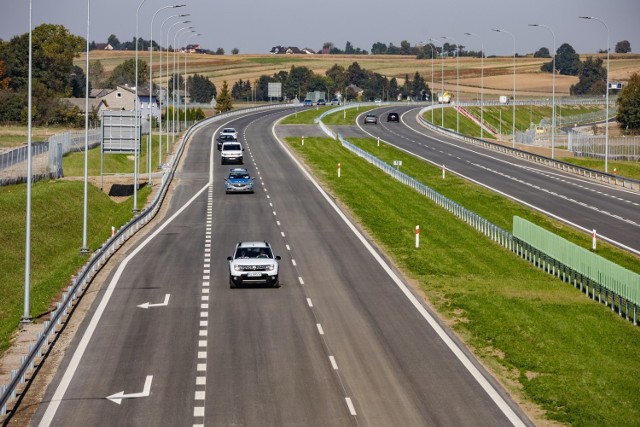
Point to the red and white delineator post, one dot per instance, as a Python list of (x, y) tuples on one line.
[(338, 170), (593, 240), (417, 236)]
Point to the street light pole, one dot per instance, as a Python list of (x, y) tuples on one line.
[(442, 78), (85, 248), (185, 79), (481, 83), (513, 125), (174, 83), (606, 124), (26, 314), (553, 85), (457, 81), (167, 91), (433, 47), (150, 138), (137, 127)]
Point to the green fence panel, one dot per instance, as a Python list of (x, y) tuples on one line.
[(611, 276)]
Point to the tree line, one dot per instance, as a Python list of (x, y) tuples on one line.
[(56, 77)]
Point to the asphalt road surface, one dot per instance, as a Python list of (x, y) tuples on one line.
[(613, 212), (343, 341)]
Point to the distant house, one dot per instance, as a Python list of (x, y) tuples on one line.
[(120, 98), (291, 50), (103, 46), (193, 48), (123, 98)]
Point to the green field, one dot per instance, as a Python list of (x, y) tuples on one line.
[(544, 339)]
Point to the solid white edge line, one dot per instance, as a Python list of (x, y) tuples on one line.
[(482, 381)]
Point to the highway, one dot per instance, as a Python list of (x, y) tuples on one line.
[(343, 342), (613, 212)]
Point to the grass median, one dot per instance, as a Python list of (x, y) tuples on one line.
[(546, 341)]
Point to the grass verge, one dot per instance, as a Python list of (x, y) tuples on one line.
[(56, 240), (570, 356)]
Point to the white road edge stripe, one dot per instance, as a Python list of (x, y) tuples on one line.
[(482, 381)]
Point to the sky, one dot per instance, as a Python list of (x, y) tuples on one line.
[(256, 26)]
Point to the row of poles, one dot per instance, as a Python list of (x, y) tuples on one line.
[(513, 130), (26, 317)]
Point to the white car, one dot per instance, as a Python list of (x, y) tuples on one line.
[(231, 152), (253, 263), (230, 131)]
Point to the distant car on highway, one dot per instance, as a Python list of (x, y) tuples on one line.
[(253, 263), (230, 131), (307, 103), (370, 118), (225, 137), (238, 181), (335, 101), (321, 102), (393, 117)]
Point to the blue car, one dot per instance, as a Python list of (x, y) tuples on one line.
[(238, 181)]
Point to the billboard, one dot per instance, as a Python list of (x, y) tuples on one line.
[(274, 90), (119, 131)]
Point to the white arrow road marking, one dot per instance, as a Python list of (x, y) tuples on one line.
[(117, 398), (162, 304)]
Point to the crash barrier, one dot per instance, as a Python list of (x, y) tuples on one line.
[(613, 179), (97, 260), (588, 272)]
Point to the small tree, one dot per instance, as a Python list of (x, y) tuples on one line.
[(567, 61), (629, 105), (543, 52), (223, 101), (219, 51), (592, 77), (235, 51), (201, 89), (623, 47)]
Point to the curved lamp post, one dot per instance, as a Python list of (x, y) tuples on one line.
[(173, 72), (150, 140), (433, 50), (606, 124), (175, 41), (442, 78), (553, 85), (185, 78), (137, 136), (85, 209), (457, 80), (513, 125), (26, 314), (166, 93), (481, 83)]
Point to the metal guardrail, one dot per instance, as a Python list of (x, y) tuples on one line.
[(95, 264), (628, 183), (568, 274)]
